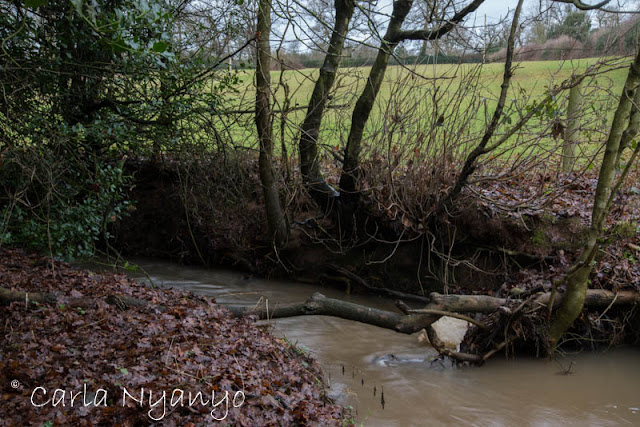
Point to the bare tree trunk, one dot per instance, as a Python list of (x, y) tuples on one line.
[(276, 220), (576, 279), (569, 147), (364, 105), (309, 162), (633, 129)]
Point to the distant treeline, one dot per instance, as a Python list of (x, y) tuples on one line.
[(307, 62), (621, 40)]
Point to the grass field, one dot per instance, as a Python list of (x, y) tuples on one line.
[(413, 98)]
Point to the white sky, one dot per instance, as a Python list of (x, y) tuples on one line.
[(494, 9)]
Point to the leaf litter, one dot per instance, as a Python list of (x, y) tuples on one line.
[(179, 344)]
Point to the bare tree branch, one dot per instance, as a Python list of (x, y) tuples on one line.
[(437, 33)]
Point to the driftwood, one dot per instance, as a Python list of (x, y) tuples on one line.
[(410, 321), (441, 305)]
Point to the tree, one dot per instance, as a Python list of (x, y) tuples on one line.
[(575, 25), (68, 69), (364, 105), (577, 277), (310, 129), (86, 84), (278, 228)]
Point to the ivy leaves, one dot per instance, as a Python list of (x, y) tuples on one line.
[(33, 4)]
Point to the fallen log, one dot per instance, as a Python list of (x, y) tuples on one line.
[(320, 305), (596, 298), (417, 319), (469, 303), (408, 322), (414, 320)]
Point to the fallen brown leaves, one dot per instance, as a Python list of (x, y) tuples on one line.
[(192, 346), (548, 201)]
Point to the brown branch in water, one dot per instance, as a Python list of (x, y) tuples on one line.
[(444, 351), (499, 347), (410, 322), (596, 298), (448, 314), (403, 307), (320, 305), (415, 320)]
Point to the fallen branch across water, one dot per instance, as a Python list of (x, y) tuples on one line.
[(408, 322), (414, 320), (417, 319), (596, 298), (320, 305)]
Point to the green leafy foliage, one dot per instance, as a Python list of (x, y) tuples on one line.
[(78, 217), (575, 25), (89, 84), (35, 3)]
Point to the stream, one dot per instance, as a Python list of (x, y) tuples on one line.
[(603, 389)]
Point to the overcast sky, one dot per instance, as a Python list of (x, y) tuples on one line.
[(494, 9)]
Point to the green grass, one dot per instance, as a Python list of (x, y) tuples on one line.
[(416, 97)]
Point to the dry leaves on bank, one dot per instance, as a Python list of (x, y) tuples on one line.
[(97, 353)]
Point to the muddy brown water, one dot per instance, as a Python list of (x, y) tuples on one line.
[(604, 388)]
